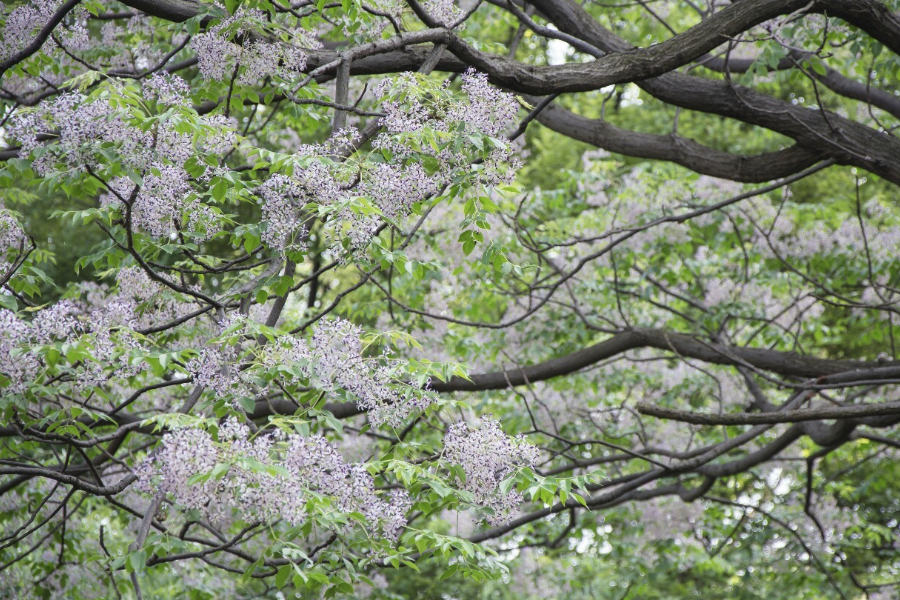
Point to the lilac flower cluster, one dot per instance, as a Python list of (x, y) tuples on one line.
[(107, 319), (333, 359), (393, 186), (213, 51), (23, 22), (216, 369), (269, 477), (262, 59), (77, 124), (282, 198), (217, 55), (68, 320), (58, 322), (75, 321), (165, 203), (392, 189), (445, 12), (489, 110), (412, 119), (395, 189), (12, 240), (167, 89), (488, 456), (17, 363), (157, 207), (104, 321), (403, 111)]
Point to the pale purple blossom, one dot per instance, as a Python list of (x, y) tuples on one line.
[(17, 363), (488, 456), (167, 89), (287, 468), (12, 240), (489, 110), (23, 23)]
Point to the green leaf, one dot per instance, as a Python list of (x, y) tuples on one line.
[(282, 576), (449, 572), (137, 560), (8, 302), (247, 403)]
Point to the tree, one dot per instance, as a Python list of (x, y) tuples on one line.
[(499, 297)]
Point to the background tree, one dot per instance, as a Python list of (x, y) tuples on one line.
[(497, 299)]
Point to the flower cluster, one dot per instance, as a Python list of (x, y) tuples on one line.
[(218, 56), (97, 324), (23, 22), (167, 89), (141, 302), (268, 477), (216, 369), (69, 320), (417, 126), (488, 456), (75, 124), (338, 357), (412, 119), (402, 114), (486, 110), (395, 189), (445, 12), (60, 321), (489, 110), (12, 240), (282, 199), (395, 185), (164, 204), (17, 364), (333, 359), (212, 52)]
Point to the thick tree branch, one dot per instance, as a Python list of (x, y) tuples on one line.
[(783, 363), (686, 152), (788, 416)]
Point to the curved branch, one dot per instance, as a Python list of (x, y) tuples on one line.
[(832, 79), (178, 11), (788, 416), (835, 136), (41, 37), (757, 168), (782, 363)]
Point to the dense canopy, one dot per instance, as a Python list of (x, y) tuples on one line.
[(450, 299)]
